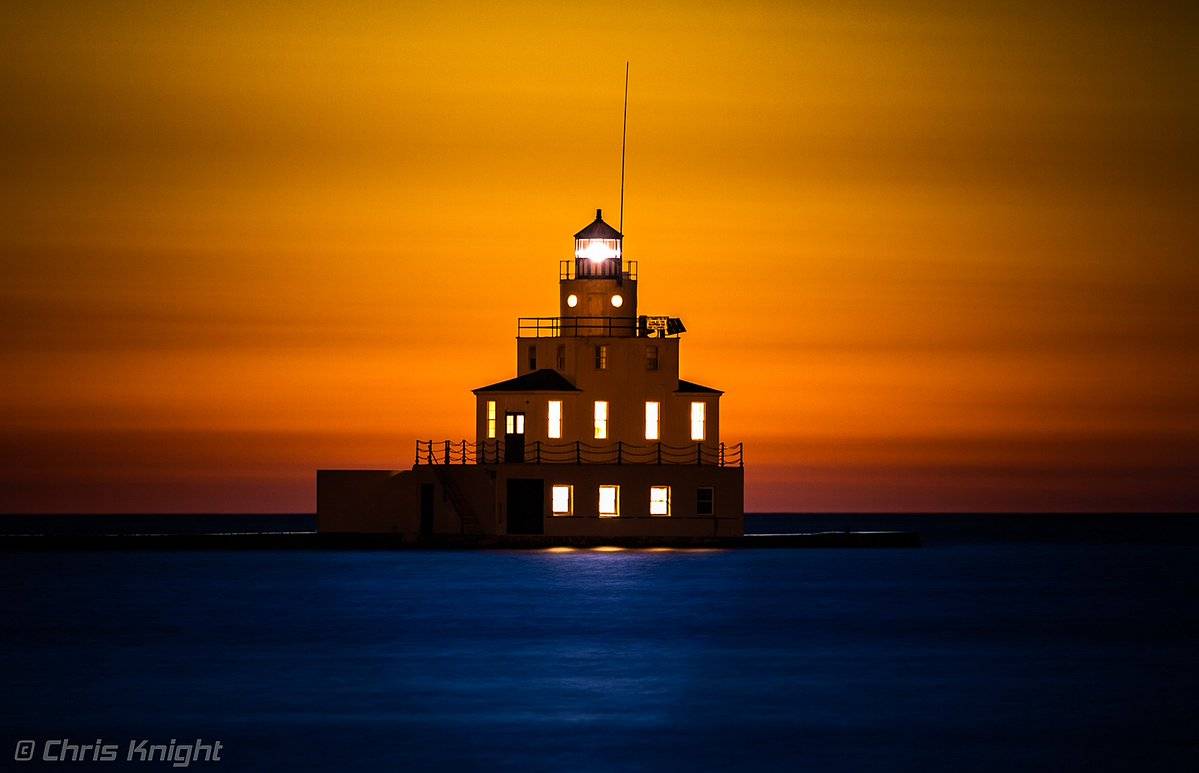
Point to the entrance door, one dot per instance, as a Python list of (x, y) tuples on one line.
[(426, 509), (514, 438), (526, 498)]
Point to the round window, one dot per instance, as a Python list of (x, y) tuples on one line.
[(617, 301), (572, 300)]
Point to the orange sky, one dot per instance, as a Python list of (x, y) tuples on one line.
[(940, 257)]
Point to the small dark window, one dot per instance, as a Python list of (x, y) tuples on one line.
[(651, 358), (561, 358), (601, 357), (704, 499), (532, 358)]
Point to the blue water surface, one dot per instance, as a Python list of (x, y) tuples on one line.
[(968, 654)]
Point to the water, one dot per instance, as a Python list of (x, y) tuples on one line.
[(999, 646)]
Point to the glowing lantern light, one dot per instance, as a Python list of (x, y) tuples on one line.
[(598, 248)]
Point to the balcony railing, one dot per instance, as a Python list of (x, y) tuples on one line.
[(612, 268), (555, 327), (626, 327), (430, 452)]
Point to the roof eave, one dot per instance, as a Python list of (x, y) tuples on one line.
[(693, 388), (489, 390)]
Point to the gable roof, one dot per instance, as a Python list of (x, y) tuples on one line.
[(599, 229), (542, 380), (690, 387)]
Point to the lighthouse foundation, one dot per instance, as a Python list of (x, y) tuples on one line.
[(556, 500)]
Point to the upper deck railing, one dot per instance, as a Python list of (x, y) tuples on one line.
[(554, 327), (429, 452), (627, 327)]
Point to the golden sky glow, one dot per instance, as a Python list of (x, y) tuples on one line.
[(939, 256)]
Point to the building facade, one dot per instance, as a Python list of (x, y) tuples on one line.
[(596, 435)]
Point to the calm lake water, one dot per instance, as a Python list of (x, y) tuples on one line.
[(1004, 644)]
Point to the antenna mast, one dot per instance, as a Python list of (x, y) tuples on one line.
[(624, 133)]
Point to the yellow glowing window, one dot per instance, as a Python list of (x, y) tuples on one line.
[(609, 501), (659, 500), (652, 413), (555, 419), (601, 419), (491, 418), (697, 421), (514, 423), (562, 499)]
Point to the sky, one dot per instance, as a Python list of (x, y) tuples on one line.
[(940, 256)]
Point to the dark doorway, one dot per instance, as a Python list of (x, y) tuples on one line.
[(426, 509), (514, 438), (526, 498)]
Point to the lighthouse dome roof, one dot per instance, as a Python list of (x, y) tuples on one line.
[(599, 229)]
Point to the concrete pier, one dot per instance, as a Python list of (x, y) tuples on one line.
[(335, 541)]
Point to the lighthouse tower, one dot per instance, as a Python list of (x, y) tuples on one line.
[(598, 287), (596, 436)]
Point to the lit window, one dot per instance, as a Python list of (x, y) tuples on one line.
[(697, 421), (659, 500), (601, 357), (561, 358), (652, 412), (609, 501), (555, 419), (601, 419), (651, 358), (572, 300), (617, 301), (515, 423), (491, 418), (563, 499), (532, 358), (704, 498)]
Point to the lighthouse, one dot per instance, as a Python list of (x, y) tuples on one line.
[(596, 436)]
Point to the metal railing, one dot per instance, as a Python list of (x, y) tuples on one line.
[(431, 452), (615, 327), (557, 327), (613, 268)]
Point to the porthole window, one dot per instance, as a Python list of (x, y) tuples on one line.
[(572, 300), (617, 301)]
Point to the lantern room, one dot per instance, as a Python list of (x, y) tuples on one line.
[(597, 249)]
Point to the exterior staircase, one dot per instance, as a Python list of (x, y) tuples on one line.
[(467, 517)]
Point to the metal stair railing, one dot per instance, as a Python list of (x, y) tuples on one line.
[(468, 519)]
